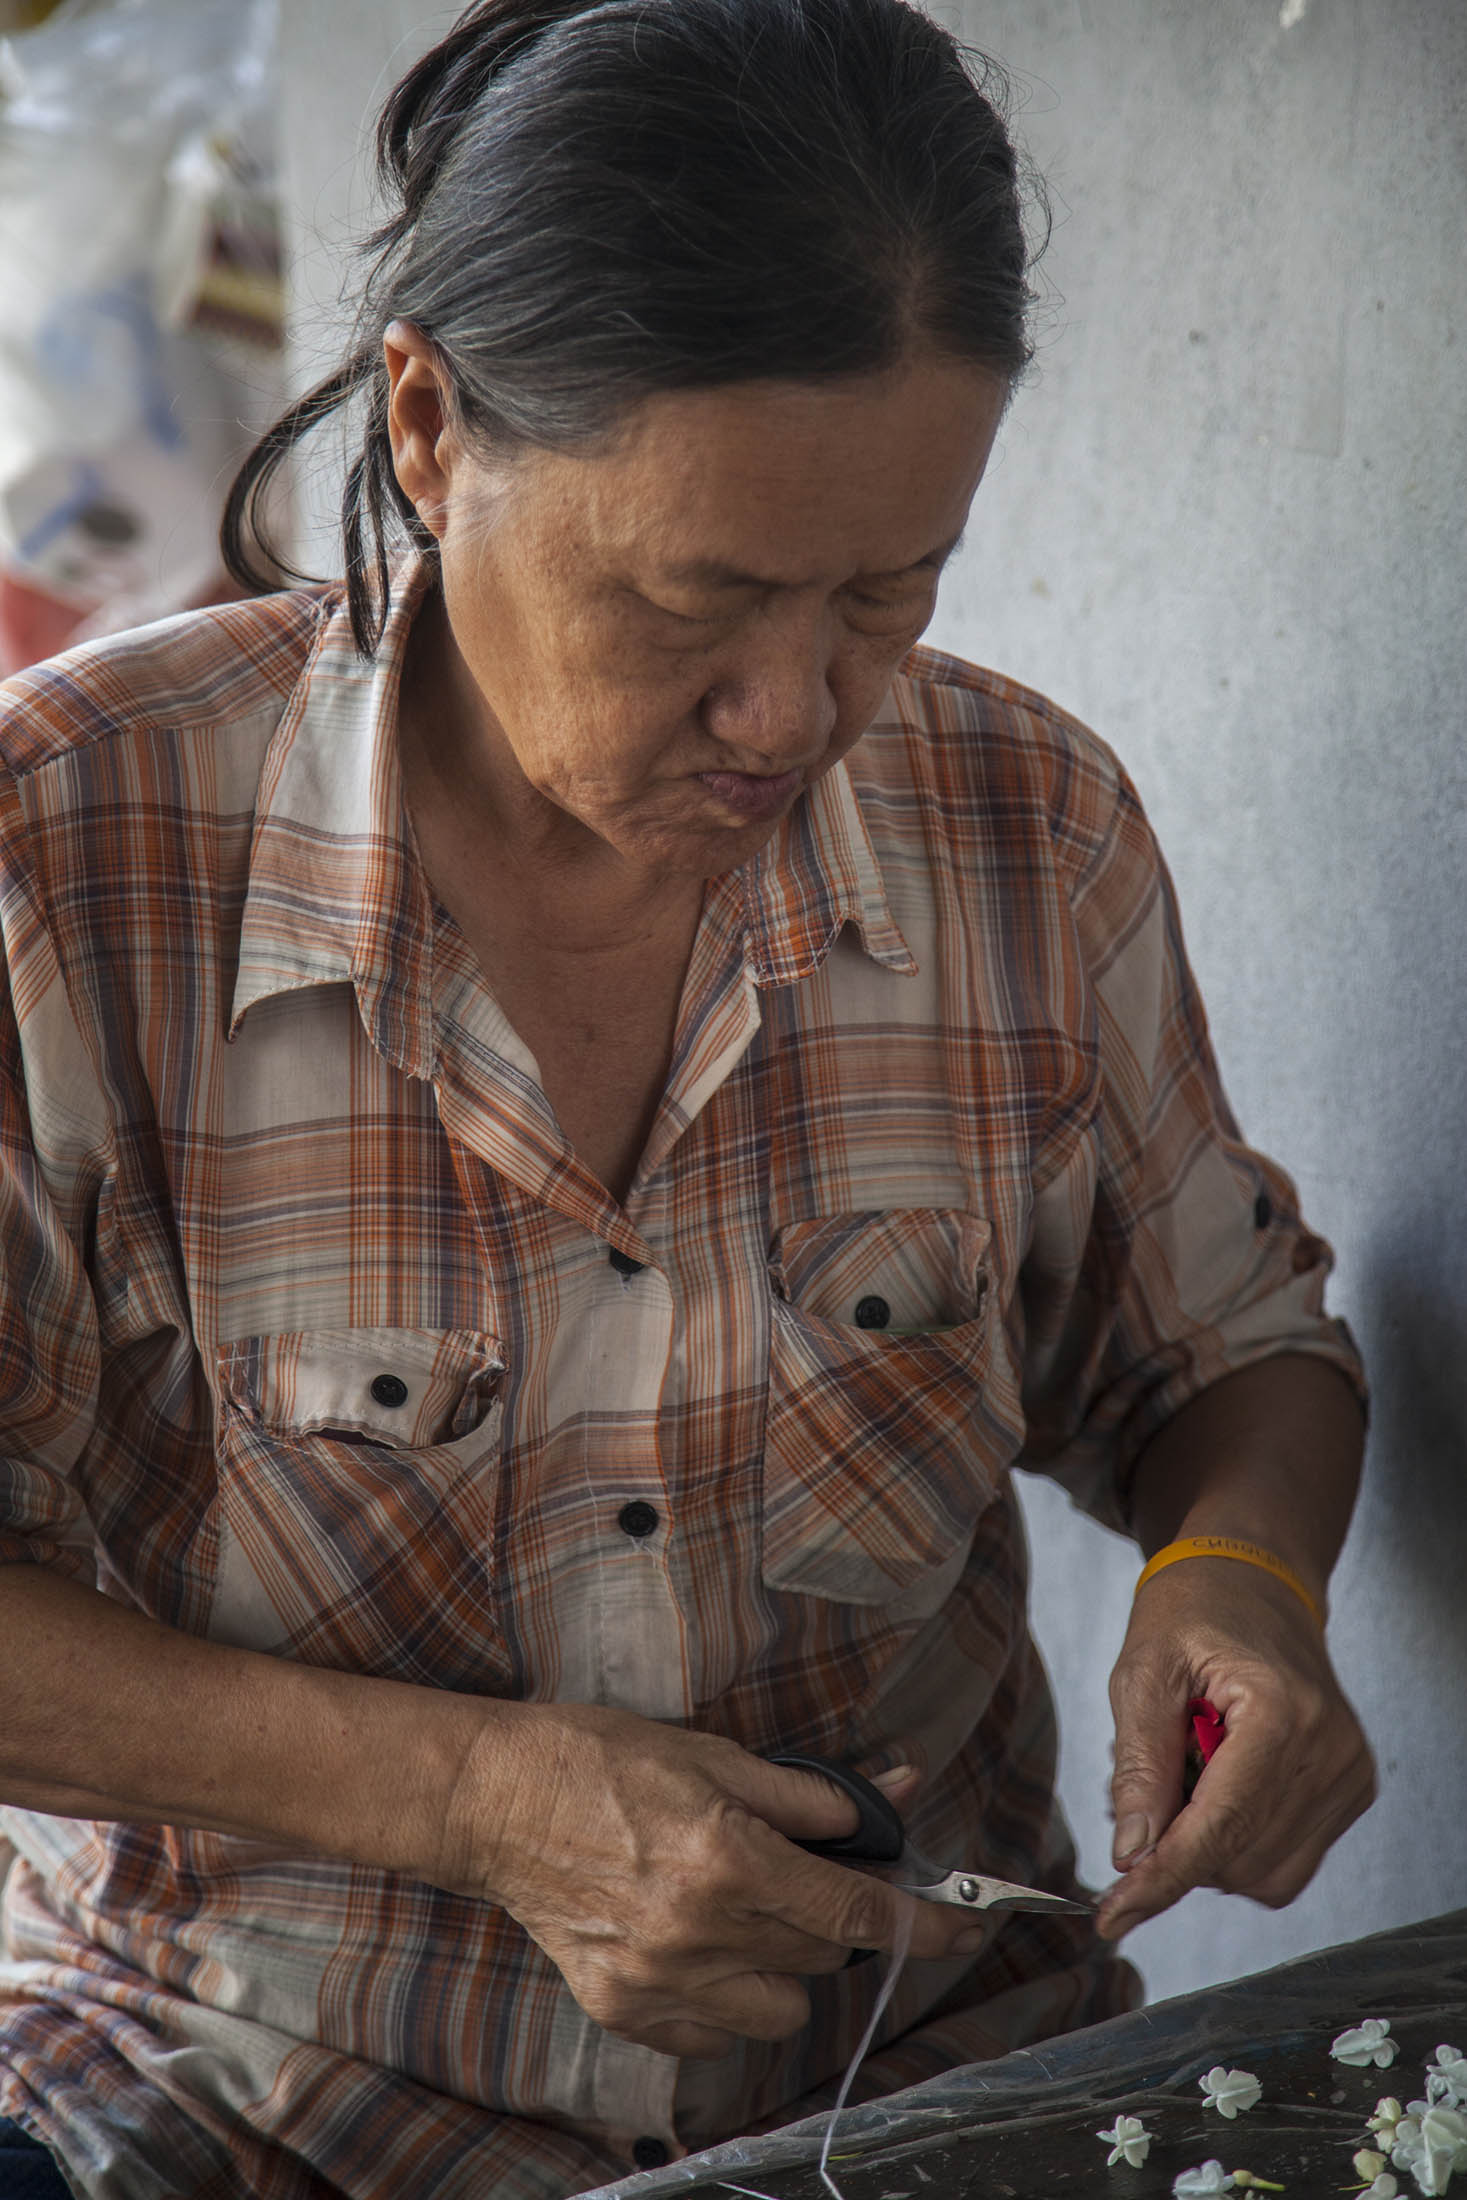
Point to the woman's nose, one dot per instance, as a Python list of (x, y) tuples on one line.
[(776, 709)]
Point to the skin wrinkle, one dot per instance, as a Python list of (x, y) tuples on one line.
[(576, 686)]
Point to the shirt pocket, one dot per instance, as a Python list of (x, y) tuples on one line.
[(356, 1470), (880, 1451)]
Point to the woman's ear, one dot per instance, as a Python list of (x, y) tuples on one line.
[(417, 422)]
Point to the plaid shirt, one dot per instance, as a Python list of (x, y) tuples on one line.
[(310, 1341)]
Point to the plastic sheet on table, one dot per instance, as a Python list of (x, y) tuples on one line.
[(1027, 2125)]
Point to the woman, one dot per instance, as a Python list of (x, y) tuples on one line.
[(571, 1110)]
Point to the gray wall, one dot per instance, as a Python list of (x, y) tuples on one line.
[(1226, 526)]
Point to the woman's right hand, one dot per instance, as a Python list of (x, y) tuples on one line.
[(655, 1868)]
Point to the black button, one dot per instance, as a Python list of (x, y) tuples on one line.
[(872, 1313), (1262, 1211), (623, 1262), (649, 2153), (389, 1390), (637, 1518)]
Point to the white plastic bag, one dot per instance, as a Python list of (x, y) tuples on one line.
[(140, 350)]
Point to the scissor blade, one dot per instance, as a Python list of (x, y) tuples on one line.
[(972, 1891)]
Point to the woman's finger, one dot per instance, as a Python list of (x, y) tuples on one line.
[(1263, 1816)]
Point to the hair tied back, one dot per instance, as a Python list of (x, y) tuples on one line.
[(593, 202), (422, 118)]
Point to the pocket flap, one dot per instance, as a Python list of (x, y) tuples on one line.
[(408, 1388), (926, 1266)]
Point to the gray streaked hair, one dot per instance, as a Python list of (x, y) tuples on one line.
[(601, 203)]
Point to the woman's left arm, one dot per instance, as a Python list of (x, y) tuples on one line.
[(1269, 1455)]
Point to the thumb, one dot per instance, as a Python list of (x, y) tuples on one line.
[(1150, 1757)]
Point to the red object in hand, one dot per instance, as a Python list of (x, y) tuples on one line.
[(1207, 1726), (1208, 1732)]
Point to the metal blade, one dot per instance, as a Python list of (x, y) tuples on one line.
[(972, 1891)]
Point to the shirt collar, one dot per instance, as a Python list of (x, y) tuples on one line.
[(819, 873), (336, 893)]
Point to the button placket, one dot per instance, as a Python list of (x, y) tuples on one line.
[(621, 1638)]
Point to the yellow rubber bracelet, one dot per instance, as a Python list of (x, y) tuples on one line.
[(1228, 1546)]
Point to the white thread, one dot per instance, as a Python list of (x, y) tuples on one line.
[(888, 1988)]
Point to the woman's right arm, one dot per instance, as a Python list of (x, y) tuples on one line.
[(649, 1862), (109, 1715)]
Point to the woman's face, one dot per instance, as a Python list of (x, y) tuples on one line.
[(653, 649)]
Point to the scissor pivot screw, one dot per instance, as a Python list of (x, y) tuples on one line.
[(969, 1889)]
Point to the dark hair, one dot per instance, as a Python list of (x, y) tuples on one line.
[(599, 203)]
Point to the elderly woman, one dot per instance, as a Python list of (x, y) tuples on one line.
[(571, 1109)]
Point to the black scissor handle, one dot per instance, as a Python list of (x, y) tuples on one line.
[(879, 1838)]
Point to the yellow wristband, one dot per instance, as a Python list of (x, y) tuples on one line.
[(1227, 1546)]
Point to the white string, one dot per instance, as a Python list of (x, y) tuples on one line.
[(888, 1988)]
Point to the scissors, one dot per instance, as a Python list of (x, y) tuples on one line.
[(880, 1838)]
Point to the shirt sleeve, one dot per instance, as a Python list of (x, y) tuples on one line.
[(49, 1175), (1165, 1253)]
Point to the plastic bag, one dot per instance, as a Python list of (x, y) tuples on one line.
[(1030, 2123), (141, 350)]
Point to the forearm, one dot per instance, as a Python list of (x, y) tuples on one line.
[(1271, 1455), (109, 1715)]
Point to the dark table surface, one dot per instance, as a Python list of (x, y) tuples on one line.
[(1027, 2125)]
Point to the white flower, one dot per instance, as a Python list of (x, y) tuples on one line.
[(1406, 2138), (1388, 2113), (1446, 2077), (1443, 2148), (1383, 2187), (1430, 2142), (1201, 2184), (1230, 2090), (1368, 2164), (1366, 2043), (1128, 2142)]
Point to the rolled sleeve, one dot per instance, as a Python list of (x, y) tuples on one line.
[(1165, 1252)]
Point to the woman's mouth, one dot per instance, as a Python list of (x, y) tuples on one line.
[(749, 794)]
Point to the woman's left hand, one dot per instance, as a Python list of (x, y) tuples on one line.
[(1293, 1771)]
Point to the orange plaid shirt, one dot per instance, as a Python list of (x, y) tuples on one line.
[(316, 1337)]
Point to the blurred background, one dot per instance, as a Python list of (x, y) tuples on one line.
[(143, 332), (1225, 525)]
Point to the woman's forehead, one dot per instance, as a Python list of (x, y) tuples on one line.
[(746, 485)]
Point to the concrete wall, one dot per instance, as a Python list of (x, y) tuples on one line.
[(1226, 526), (1227, 529)]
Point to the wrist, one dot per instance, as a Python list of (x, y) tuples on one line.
[(483, 1769), (1211, 1548), (385, 1760)]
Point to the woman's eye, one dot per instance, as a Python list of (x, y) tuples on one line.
[(687, 618), (913, 603)]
